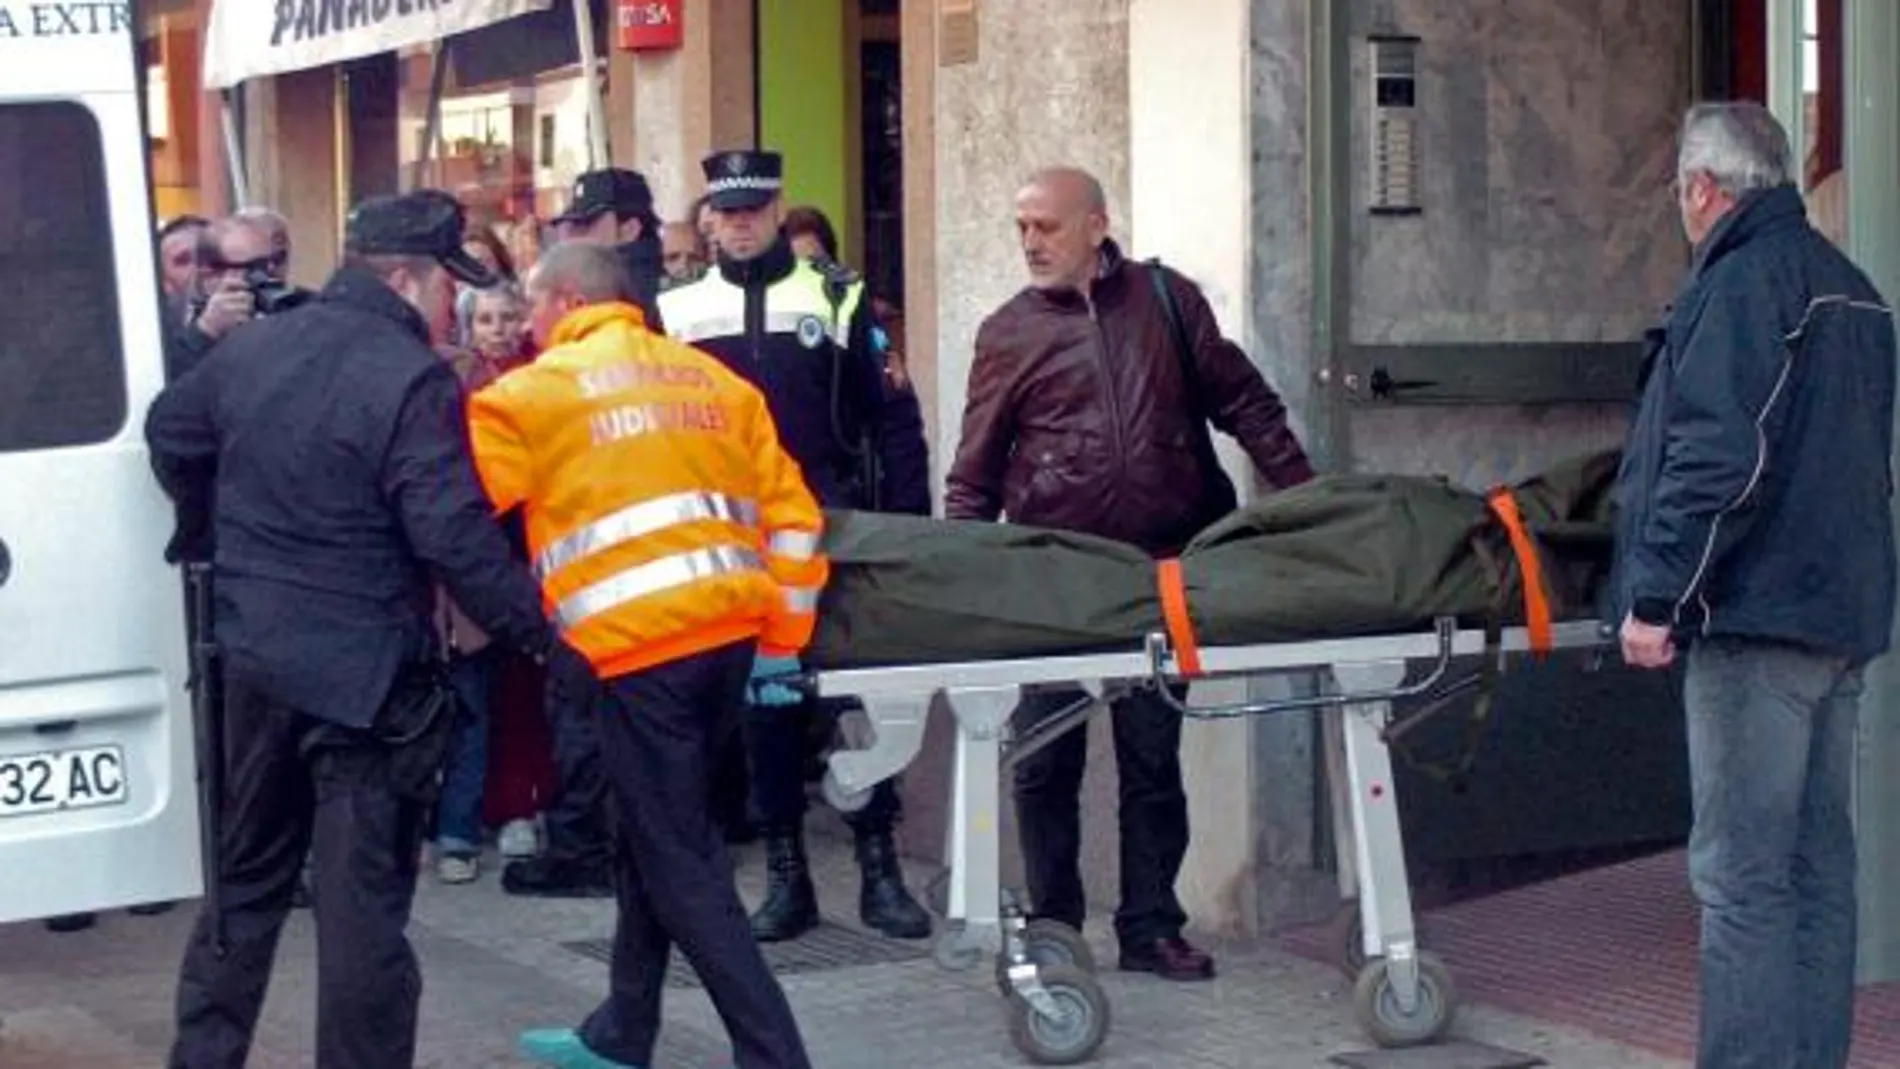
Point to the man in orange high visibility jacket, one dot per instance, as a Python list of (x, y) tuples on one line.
[(676, 543)]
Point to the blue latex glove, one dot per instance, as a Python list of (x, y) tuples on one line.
[(766, 688)]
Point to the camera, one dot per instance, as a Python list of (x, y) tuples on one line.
[(271, 295)]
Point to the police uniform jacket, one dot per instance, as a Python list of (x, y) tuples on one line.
[(336, 442), (803, 333)]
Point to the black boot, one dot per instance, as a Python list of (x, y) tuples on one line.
[(556, 877), (883, 903), (790, 908)]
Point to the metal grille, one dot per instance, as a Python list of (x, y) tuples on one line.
[(826, 948)]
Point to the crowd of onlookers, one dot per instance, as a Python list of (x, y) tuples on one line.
[(216, 274)]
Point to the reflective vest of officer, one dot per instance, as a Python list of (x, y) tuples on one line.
[(663, 517), (773, 320)]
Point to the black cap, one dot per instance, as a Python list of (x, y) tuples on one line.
[(742, 180), (610, 189), (427, 222)]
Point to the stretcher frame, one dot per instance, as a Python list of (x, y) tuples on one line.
[(1403, 996)]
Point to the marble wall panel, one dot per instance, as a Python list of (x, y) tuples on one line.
[(1546, 139)]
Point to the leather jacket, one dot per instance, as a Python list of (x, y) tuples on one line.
[(1080, 416)]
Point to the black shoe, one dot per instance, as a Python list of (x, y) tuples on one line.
[(884, 903), (790, 908), (151, 909), (543, 877), (71, 922), (1171, 959)]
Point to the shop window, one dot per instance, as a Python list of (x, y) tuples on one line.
[(60, 350)]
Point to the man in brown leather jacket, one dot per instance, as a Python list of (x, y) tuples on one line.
[(1083, 413)]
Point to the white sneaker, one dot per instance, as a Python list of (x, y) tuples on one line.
[(454, 869), (518, 839)]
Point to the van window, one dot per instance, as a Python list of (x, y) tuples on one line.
[(62, 378)]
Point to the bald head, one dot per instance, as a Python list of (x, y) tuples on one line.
[(590, 272), (572, 275), (1072, 186), (1062, 221)]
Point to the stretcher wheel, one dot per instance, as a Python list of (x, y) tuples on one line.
[(840, 799), (1376, 1004), (1047, 942), (1349, 927), (953, 952), (1074, 1032)]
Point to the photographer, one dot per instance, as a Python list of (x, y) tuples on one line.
[(242, 268)]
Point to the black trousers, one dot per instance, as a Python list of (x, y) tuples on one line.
[(1153, 815), (659, 733), (294, 783), (576, 817), (776, 743)]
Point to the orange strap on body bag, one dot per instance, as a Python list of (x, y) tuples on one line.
[(1174, 613), (1530, 569)]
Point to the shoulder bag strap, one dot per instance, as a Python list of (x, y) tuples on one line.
[(1183, 350)]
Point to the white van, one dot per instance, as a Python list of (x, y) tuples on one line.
[(97, 796)]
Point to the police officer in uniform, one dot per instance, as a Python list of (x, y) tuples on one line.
[(335, 440), (805, 334)]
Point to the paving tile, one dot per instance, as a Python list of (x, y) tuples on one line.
[(494, 965)]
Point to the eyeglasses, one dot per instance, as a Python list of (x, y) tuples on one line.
[(269, 263)]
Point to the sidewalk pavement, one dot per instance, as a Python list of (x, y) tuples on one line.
[(494, 965)]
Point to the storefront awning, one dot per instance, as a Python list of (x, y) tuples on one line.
[(256, 38)]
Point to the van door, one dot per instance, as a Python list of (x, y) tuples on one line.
[(97, 798)]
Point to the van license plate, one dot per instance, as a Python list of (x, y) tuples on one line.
[(47, 782)]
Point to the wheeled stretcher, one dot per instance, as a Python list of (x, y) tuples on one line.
[(1058, 1012)]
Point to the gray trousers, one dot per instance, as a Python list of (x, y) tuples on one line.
[(1771, 749)]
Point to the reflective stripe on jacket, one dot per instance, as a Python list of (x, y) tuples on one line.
[(664, 519)]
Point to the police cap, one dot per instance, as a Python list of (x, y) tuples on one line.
[(427, 222), (742, 180), (610, 189)]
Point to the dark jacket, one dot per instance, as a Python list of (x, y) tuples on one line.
[(1753, 499), (184, 343), (1079, 416), (338, 446), (833, 404), (645, 264)]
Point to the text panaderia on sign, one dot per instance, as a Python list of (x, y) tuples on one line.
[(254, 38)]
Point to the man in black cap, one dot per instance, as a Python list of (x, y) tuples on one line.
[(614, 206), (336, 442), (610, 207), (804, 333)]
